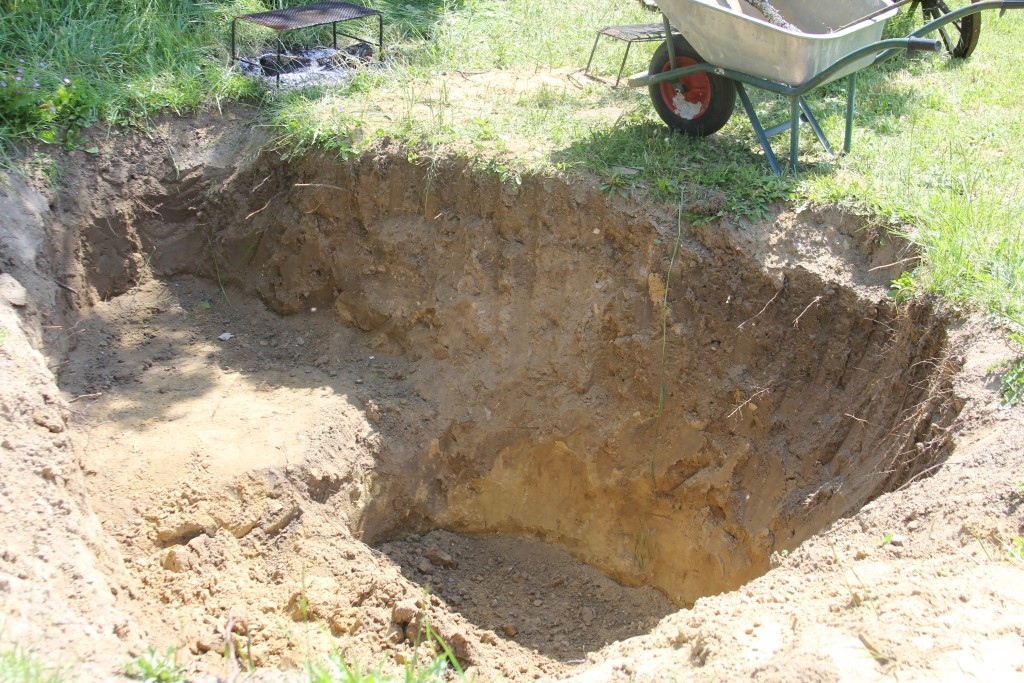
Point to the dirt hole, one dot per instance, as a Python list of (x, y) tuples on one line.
[(305, 388)]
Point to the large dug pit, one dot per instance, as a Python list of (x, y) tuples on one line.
[(279, 368)]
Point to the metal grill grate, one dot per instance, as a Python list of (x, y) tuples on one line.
[(636, 33), (309, 15)]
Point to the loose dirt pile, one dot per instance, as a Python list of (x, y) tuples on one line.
[(310, 407)]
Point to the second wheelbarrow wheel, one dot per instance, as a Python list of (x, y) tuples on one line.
[(698, 104), (961, 37)]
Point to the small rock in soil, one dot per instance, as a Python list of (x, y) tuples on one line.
[(177, 559), (405, 611), (12, 291), (440, 558)]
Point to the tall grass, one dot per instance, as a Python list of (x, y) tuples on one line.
[(125, 58)]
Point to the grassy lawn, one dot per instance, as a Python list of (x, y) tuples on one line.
[(935, 152)]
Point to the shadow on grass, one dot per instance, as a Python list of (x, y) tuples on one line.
[(640, 151)]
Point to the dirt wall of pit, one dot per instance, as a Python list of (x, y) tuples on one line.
[(679, 450), (63, 588)]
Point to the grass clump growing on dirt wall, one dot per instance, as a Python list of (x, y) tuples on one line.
[(935, 144)]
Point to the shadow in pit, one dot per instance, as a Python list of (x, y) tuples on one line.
[(151, 375), (528, 592)]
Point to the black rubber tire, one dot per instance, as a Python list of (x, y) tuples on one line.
[(959, 38), (716, 95)]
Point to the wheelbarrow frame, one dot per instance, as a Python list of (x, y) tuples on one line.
[(882, 50)]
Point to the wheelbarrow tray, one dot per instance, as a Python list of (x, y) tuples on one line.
[(733, 35)]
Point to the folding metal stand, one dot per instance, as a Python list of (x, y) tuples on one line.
[(631, 33)]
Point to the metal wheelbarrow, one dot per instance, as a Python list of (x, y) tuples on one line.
[(694, 78)]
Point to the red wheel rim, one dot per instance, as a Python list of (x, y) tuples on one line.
[(694, 89)]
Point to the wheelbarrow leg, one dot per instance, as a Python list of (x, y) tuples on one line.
[(851, 94), (815, 126), (794, 133), (623, 65), (798, 113), (759, 131)]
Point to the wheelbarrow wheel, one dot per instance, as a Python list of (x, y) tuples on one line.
[(959, 38), (698, 104)]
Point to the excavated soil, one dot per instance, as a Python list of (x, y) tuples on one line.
[(262, 411)]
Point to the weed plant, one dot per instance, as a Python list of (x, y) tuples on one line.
[(334, 669), (153, 667)]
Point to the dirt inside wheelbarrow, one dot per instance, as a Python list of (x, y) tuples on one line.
[(307, 407)]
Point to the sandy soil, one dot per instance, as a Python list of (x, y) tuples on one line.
[(218, 439)]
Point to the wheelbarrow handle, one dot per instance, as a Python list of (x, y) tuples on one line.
[(926, 44)]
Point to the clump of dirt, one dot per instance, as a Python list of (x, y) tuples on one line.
[(317, 406)]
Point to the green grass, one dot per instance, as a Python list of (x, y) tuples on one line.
[(153, 667), (334, 669), (1011, 375), (1016, 548), (935, 153), (18, 665), (114, 61)]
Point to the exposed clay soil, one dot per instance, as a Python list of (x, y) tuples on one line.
[(283, 409)]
